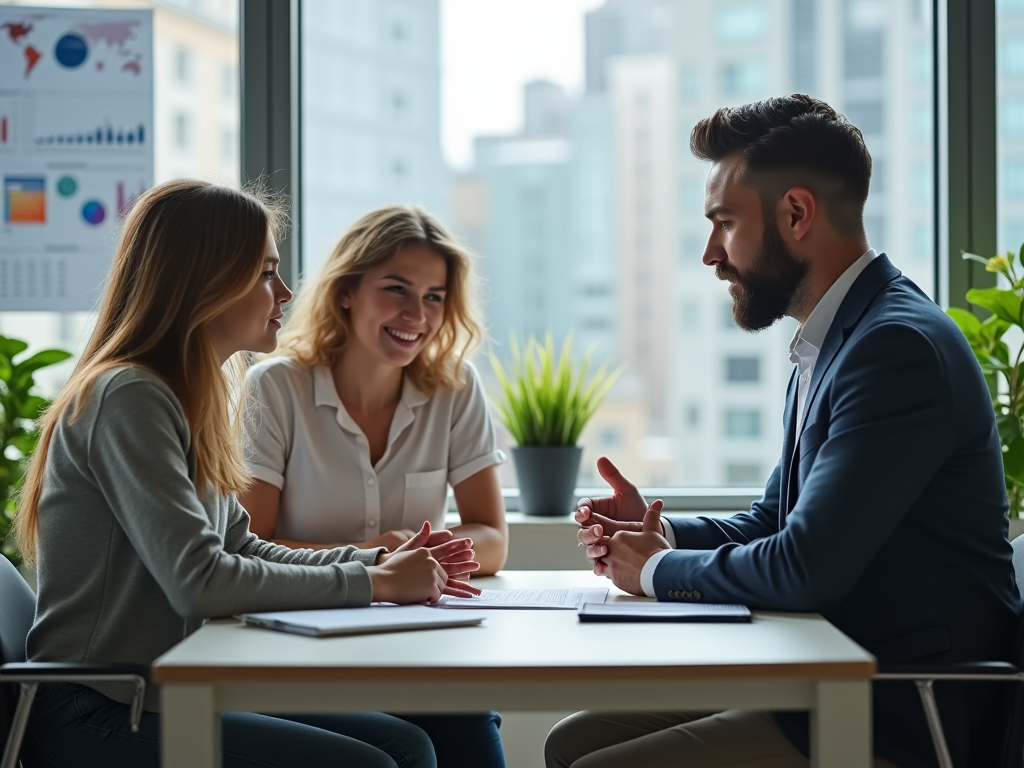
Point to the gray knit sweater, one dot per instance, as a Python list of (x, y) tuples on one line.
[(132, 560)]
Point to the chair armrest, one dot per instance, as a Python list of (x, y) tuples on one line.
[(974, 670), (45, 670), (31, 673)]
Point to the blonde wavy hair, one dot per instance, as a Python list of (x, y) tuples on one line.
[(187, 251), (318, 327)]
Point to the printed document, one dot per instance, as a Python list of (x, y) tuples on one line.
[(556, 599)]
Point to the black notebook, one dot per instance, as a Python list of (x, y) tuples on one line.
[(652, 611)]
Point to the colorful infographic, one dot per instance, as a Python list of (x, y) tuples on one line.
[(76, 147)]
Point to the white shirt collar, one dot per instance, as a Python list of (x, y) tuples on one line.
[(325, 393), (812, 332)]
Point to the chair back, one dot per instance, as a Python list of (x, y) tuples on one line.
[(1013, 740), (17, 612)]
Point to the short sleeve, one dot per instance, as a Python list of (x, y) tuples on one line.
[(473, 444), (268, 425)]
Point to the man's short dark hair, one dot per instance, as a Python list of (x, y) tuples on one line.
[(793, 141)]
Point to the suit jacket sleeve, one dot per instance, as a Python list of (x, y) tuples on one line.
[(890, 427), (710, 533)]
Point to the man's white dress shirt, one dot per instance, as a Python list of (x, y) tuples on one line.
[(803, 350)]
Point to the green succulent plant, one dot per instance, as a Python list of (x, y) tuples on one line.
[(546, 398)]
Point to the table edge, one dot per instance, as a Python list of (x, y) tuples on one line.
[(846, 670)]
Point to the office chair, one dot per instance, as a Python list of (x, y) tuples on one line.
[(17, 612), (1011, 754)]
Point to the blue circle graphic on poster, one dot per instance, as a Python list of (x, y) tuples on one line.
[(93, 212), (71, 50)]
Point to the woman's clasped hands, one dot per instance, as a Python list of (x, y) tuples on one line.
[(425, 567)]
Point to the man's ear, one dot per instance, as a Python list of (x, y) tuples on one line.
[(797, 211)]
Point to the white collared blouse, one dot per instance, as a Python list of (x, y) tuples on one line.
[(303, 441)]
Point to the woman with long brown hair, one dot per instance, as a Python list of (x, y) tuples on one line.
[(130, 511), (371, 411)]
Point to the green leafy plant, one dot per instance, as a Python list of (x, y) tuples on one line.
[(546, 398), (20, 408), (1003, 367)]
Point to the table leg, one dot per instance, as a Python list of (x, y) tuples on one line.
[(189, 727), (841, 725)]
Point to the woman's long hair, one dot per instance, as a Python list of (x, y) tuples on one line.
[(187, 251), (318, 327)]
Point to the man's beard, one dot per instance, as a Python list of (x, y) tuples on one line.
[(767, 287)]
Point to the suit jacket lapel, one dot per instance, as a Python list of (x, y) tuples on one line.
[(864, 289), (788, 446)]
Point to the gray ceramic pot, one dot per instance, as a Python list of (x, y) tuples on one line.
[(547, 477)]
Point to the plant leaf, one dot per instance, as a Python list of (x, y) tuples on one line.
[(1013, 461), (999, 301), (967, 322)]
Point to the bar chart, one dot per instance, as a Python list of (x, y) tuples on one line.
[(69, 121), (8, 121), (104, 135)]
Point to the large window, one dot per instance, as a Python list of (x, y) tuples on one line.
[(552, 137), (1010, 126)]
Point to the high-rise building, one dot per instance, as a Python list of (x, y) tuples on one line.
[(548, 237), (622, 27), (871, 59), (1010, 133), (371, 115)]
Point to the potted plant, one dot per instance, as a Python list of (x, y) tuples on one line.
[(545, 401), (1003, 369), (20, 407)]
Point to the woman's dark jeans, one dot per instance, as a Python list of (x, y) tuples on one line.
[(73, 726)]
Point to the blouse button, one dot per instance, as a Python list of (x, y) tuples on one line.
[(372, 523), (370, 481)]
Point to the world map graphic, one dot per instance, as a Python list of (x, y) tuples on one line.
[(99, 44)]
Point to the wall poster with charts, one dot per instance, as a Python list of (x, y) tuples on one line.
[(76, 148)]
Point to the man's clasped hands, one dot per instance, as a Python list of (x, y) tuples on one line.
[(621, 532)]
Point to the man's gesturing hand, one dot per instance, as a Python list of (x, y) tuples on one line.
[(622, 511), (626, 552)]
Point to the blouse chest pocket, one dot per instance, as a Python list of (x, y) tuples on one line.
[(426, 498)]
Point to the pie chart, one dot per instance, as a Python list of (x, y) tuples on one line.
[(93, 212)]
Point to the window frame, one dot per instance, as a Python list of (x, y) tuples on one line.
[(965, 186)]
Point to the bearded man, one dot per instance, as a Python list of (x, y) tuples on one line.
[(887, 510)]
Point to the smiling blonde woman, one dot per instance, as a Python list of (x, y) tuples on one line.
[(370, 411)]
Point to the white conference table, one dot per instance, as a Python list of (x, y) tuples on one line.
[(523, 661)]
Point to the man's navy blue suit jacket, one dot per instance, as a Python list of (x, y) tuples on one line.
[(888, 517)]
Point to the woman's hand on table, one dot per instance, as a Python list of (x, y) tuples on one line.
[(455, 557), (408, 577)]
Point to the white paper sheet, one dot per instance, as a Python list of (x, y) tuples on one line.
[(556, 599)]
